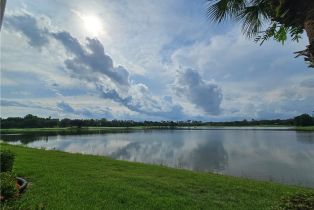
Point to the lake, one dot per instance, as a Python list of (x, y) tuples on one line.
[(283, 156)]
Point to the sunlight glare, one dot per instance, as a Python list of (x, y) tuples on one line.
[(92, 24)]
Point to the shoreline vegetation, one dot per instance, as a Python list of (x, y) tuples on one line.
[(303, 122), (60, 180), (133, 128)]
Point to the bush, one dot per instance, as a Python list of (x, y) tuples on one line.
[(302, 201), (8, 185), (6, 160), (303, 120)]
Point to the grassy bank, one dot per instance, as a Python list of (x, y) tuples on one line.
[(71, 130), (60, 180), (66, 129), (305, 128)]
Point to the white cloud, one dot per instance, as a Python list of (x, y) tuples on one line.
[(154, 40), (203, 94), (90, 64)]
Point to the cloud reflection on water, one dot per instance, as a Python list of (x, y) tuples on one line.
[(284, 156)]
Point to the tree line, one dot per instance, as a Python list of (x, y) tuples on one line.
[(32, 121)]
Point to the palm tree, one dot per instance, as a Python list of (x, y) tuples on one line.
[(282, 17), (2, 7)]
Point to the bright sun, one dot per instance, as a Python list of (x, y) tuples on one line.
[(92, 24)]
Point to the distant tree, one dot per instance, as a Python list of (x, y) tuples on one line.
[(283, 17), (77, 123), (303, 120), (103, 122), (65, 122), (31, 121)]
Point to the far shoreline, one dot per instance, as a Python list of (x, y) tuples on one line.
[(134, 128)]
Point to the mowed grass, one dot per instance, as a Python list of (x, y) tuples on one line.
[(60, 180), (305, 128), (67, 129)]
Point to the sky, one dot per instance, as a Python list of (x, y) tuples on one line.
[(144, 60)]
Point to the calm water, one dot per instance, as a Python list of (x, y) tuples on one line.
[(281, 156)]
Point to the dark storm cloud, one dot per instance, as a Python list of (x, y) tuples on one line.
[(28, 26), (205, 95)]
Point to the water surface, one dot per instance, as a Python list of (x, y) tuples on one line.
[(277, 155)]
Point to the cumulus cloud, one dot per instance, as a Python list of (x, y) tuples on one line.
[(92, 65), (14, 103), (65, 107), (145, 103), (29, 27), (91, 59), (281, 102), (68, 109), (308, 83), (248, 78), (154, 49), (61, 108), (203, 94)]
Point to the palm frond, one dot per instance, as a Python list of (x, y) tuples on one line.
[(269, 33), (251, 21), (251, 13), (253, 17), (219, 10)]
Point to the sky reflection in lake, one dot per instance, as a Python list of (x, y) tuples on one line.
[(282, 156)]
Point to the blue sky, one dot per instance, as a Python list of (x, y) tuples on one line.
[(144, 60)]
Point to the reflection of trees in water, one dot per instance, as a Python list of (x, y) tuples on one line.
[(30, 137), (306, 137), (24, 139), (180, 151)]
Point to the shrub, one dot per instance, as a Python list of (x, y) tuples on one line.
[(303, 120), (302, 201), (6, 160), (8, 185)]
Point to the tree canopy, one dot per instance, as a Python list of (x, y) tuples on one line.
[(304, 120), (31, 121), (265, 19)]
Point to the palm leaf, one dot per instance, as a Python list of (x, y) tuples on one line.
[(220, 10), (251, 13)]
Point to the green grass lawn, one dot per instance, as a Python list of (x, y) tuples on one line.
[(60, 180), (75, 130), (66, 129), (305, 128)]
